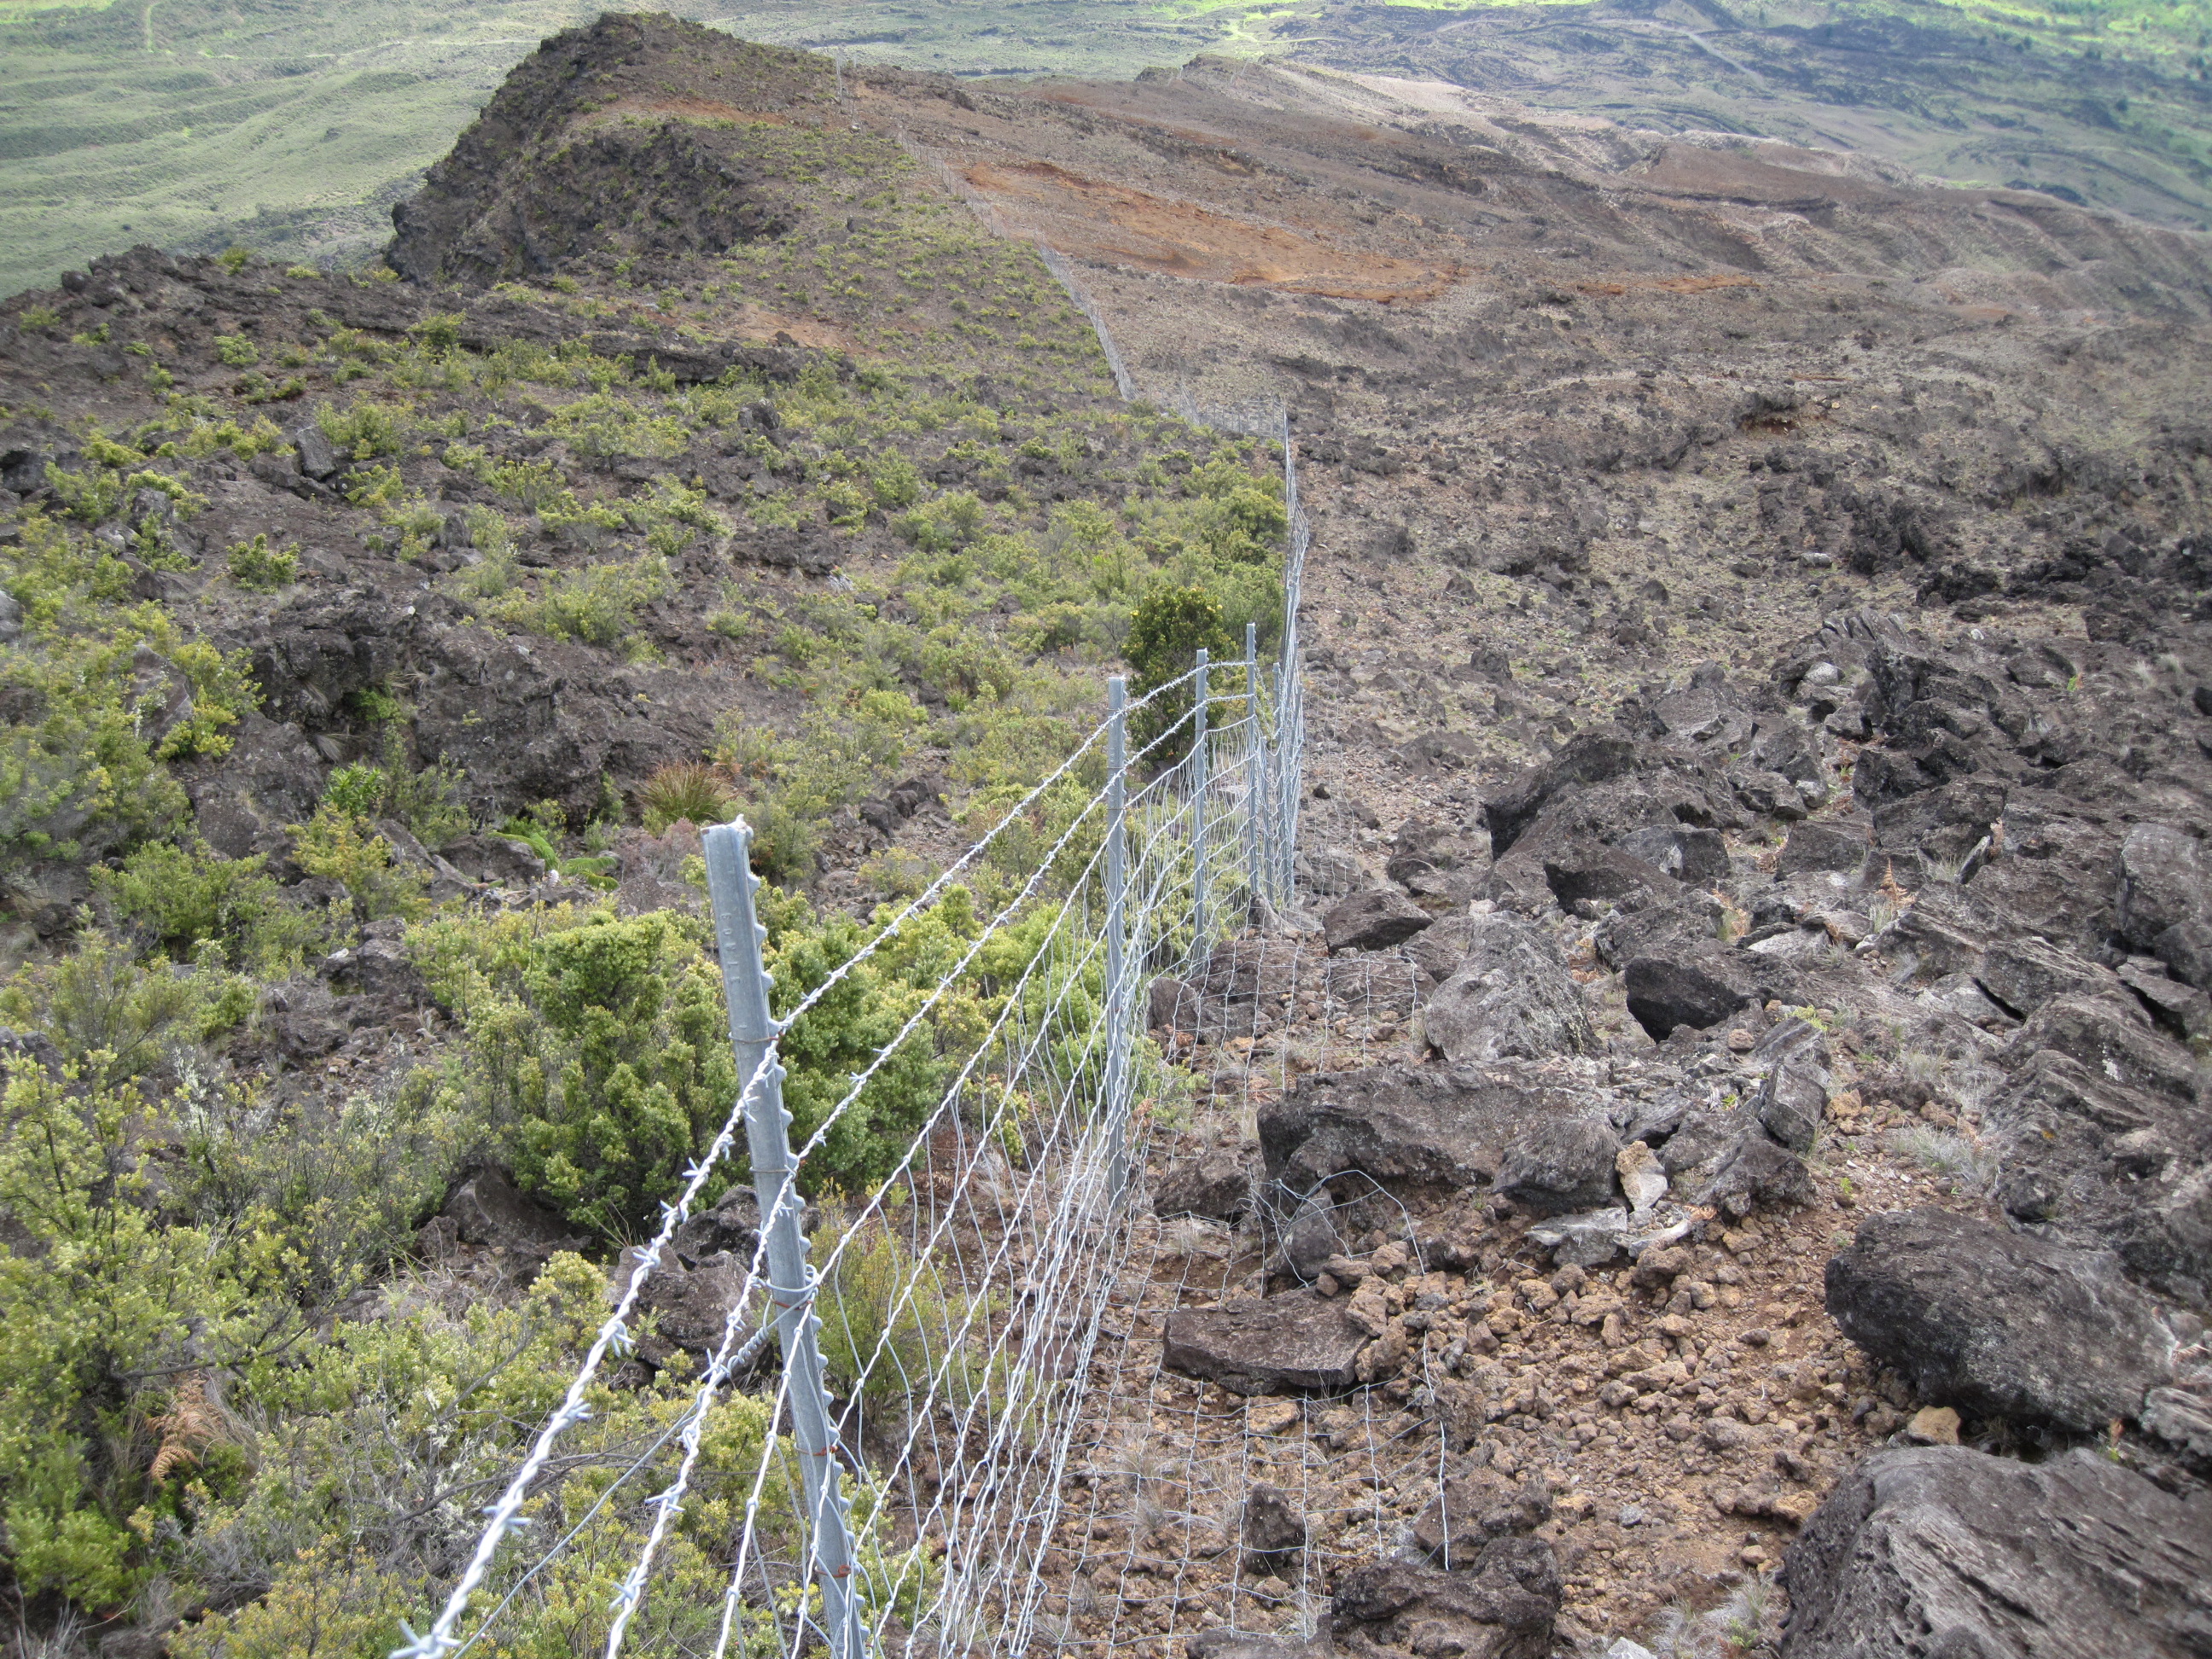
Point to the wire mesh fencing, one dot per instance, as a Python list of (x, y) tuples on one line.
[(876, 1452)]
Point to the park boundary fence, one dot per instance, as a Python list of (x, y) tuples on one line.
[(933, 1339)]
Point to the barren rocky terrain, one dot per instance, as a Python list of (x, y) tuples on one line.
[(1717, 1160)]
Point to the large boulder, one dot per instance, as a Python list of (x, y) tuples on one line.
[(2022, 974), (1944, 824), (1373, 920), (1298, 1342), (1409, 1127), (1511, 998), (1698, 986), (1999, 1324), (2126, 1166), (2163, 877), (2112, 1034), (1560, 1165), (1938, 1551), (1585, 872), (1686, 854), (1215, 1182), (1587, 758), (1502, 1606)]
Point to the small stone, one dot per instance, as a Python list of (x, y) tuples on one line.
[(1273, 1416), (1742, 1041), (1643, 1176), (1934, 1426)]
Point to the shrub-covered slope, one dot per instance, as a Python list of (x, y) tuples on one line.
[(366, 646)]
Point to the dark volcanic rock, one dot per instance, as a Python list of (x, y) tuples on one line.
[(1583, 871), (488, 1208), (1591, 758), (1299, 1341), (1814, 846), (1272, 1530), (1698, 989), (1998, 1323), (1940, 1551), (1511, 998), (1215, 1184), (1501, 1605), (1406, 1127), (2163, 883), (1560, 1165), (1475, 1506), (1695, 856), (1758, 1175), (2024, 973), (1373, 920)]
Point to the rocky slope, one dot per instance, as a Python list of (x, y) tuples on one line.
[(1721, 1137)]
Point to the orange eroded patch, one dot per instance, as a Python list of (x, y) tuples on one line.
[(1093, 219)]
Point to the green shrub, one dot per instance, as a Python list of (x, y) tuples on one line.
[(598, 1046), (117, 1017), (944, 526), (1166, 633), (256, 565), (598, 606), (237, 350), (187, 897), (344, 847)]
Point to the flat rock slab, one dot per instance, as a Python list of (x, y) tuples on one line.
[(1940, 1550), (1301, 1341), (2000, 1323)]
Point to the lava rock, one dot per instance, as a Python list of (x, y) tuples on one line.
[(1297, 1342), (1813, 847), (2163, 883), (1687, 855), (1998, 1323), (488, 1208), (1475, 1506), (1758, 1175), (1373, 920), (2113, 1036), (1793, 1100), (1171, 1005), (1511, 998), (1403, 1126), (1216, 1183), (1273, 1532), (731, 1228), (1565, 1165), (1589, 757), (1583, 871), (1502, 1606), (1698, 989), (2024, 973), (499, 860), (1938, 1551)]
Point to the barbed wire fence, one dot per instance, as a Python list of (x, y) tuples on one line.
[(934, 1339)]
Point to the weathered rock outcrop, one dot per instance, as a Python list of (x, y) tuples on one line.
[(1940, 1551), (1999, 1323)]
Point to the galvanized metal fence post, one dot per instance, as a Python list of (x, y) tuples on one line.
[(1117, 881), (791, 1282), (1256, 792), (1200, 783)]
